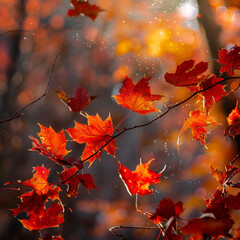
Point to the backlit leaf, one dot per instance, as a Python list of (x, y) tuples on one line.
[(229, 59), (213, 94), (73, 181), (207, 226), (137, 97), (139, 180), (95, 135), (187, 74), (165, 210), (233, 120), (34, 201), (79, 101), (49, 218), (197, 122)]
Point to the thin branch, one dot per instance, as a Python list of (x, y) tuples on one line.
[(234, 160), (169, 108), (113, 229), (19, 113), (123, 120)]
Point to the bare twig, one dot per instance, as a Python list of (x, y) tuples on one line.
[(113, 229), (234, 160), (169, 108), (19, 113)]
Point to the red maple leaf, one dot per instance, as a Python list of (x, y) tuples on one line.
[(229, 59), (224, 178), (233, 120), (83, 7), (197, 122), (53, 146), (137, 97), (49, 218), (79, 101), (187, 74), (207, 226), (165, 210), (139, 180), (33, 201), (213, 94), (50, 237), (68, 177), (211, 91), (95, 135)]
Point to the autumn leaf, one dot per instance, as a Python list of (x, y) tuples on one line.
[(68, 177), (187, 74), (95, 135), (137, 97), (165, 210), (49, 218), (233, 120), (33, 201), (224, 178), (207, 226), (79, 101), (139, 180), (83, 7), (229, 59), (212, 94), (197, 122), (52, 145)]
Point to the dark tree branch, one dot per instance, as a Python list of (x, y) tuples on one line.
[(113, 229), (169, 108), (19, 113)]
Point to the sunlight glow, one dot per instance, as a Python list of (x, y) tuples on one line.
[(189, 10)]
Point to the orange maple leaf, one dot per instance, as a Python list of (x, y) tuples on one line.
[(139, 180), (137, 97), (234, 122), (95, 135), (52, 145), (197, 121)]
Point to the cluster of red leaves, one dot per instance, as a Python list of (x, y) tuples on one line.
[(216, 222), (97, 136), (33, 202)]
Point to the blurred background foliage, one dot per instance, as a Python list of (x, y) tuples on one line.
[(130, 37)]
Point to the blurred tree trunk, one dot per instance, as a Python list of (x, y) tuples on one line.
[(212, 30), (11, 158)]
